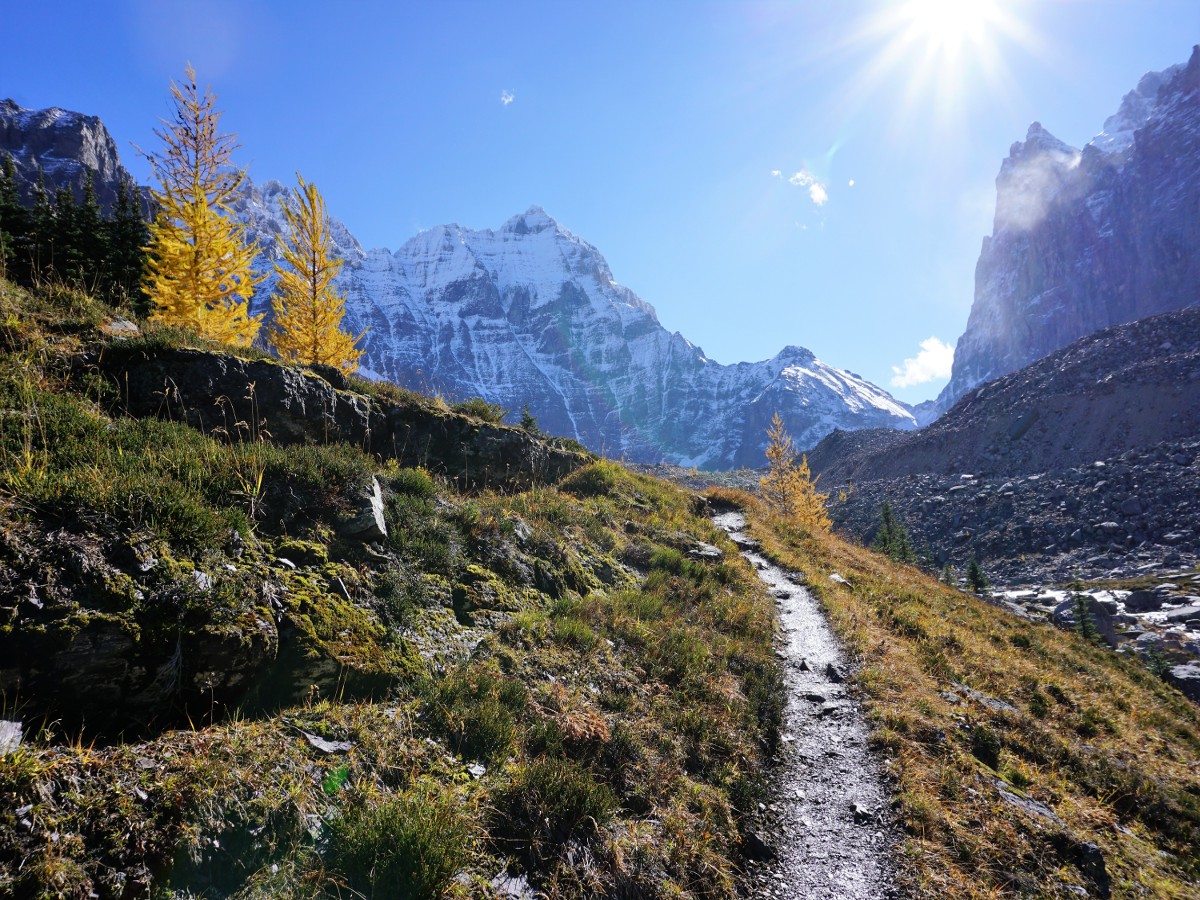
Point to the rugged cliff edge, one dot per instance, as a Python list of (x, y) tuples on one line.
[(1084, 239)]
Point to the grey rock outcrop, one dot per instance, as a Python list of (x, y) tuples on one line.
[(242, 399)]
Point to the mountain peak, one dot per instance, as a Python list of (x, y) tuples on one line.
[(532, 221), (1038, 140)]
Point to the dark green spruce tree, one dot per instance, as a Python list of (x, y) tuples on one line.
[(976, 580), (892, 538), (127, 237), (14, 220)]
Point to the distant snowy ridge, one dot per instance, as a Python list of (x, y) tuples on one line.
[(530, 314)]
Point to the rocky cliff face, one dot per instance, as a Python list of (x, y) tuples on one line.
[(64, 146), (1084, 239)]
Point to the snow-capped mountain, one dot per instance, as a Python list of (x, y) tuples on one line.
[(1085, 239), (530, 314)]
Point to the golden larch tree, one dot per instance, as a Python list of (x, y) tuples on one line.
[(789, 486), (198, 263), (307, 308)]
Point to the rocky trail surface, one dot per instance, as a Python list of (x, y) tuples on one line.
[(826, 829)]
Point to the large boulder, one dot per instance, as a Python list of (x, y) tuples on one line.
[(1187, 678)]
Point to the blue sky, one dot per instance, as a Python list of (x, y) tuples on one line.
[(689, 141)]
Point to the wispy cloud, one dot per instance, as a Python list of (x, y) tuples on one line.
[(817, 191), (934, 361), (507, 97)]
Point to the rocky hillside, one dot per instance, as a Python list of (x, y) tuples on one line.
[(1122, 388), (1084, 239), (1083, 463), (265, 632), (525, 314)]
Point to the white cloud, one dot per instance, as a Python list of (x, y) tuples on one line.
[(934, 361), (507, 97), (816, 190), (776, 173)]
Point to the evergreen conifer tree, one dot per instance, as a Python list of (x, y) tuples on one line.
[(67, 237), (127, 235), (976, 580), (92, 235), (892, 538), (13, 219), (528, 421), (40, 244), (307, 308), (198, 269)]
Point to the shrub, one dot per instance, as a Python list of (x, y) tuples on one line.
[(478, 408), (597, 480), (985, 746), (406, 847), (548, 803), (477, 713)]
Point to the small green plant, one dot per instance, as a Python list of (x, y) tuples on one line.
[(403, 847), (985, 746), (548, 803), (477, 712), (1085, 620), (1038, 704), (478, 408), (1156, 663)]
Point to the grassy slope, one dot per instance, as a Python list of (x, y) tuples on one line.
[(622, 701), (1111, 750)]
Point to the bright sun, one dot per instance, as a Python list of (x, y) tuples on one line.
[(941, 54), (946, 25)]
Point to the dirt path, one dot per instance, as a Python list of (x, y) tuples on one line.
[(828, 819)]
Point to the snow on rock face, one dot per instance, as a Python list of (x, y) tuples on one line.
[(1087, 239), (530, 314)]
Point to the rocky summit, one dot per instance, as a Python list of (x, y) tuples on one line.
[(1084, 239), (62, 146)]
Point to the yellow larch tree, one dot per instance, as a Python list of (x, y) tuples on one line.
[(307, 308), (789, 486), (198, 263)]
